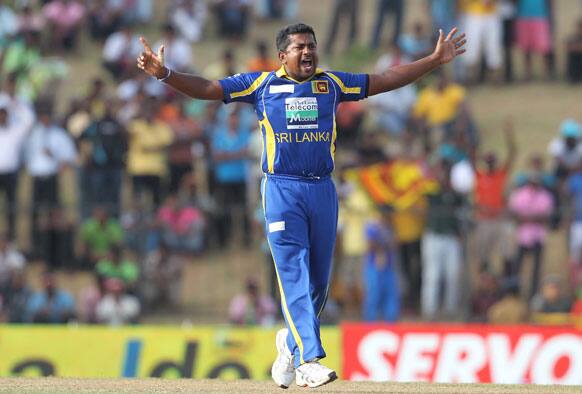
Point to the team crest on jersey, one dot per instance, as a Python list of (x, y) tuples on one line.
[(301, 112), (319, 87)]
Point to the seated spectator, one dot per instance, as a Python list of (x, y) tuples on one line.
[(225, 67), (574, 54), (99, 234), (8, 24), (117, 307), (417, 44), (262, 61), (510, 309), (89, 298), (233, 17), (51, 304), (566, 150), (531, 206), (251, 307), (350, 116), (11, 260), (573, 194), (162, 279), (137, 223), (189, 19), (182, 225), (20, 55), (551, 298), (65, 18), (57, 238), (15, 296), (30, 21), (484, 297), (120, 51), (381, 289), (577, 304), (177, 51), (115, 266), (104, 18)]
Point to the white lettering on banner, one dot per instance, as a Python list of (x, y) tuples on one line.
[(510, 367), (512, 356), (460, 358), (554, 349), (414, 361)]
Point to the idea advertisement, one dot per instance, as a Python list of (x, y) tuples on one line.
[(145, 351), (462, 354)]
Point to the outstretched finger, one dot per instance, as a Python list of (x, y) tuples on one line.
[(441, 36), (451, 33), (146, 45), (460, 51), (459, 38), (161, 54)]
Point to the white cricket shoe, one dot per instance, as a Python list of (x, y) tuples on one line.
[(313, 374), (283, 370)]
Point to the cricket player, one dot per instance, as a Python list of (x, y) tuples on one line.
[(296, 107)]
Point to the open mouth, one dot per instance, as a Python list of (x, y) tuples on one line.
[(307, 64)]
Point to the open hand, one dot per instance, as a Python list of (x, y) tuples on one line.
[(150, 62), (450, 47)]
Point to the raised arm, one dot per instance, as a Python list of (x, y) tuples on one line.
[(190, 85), (396, 77)]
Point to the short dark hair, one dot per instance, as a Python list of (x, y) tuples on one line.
[(283, 40)]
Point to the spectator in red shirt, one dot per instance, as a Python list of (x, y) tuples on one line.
[(492, 228)]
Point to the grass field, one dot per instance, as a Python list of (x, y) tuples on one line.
[(63, 385)]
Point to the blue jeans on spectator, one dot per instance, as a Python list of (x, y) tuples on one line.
[(381, 293), (395, 7), (100, 186)]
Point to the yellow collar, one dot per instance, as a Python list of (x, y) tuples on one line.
[(282, 73)]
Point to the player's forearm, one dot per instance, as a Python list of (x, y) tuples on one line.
[(195, 86), (399, 76)]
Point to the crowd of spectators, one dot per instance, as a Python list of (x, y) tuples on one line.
[(431, 225)]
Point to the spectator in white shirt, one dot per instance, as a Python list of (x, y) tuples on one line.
[(15, 122), (11, 260), (119, 52), (117, 307), (8, 24), (48, 149), (189, 18), (178, 52)]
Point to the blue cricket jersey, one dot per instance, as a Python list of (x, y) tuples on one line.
[(297, 119)]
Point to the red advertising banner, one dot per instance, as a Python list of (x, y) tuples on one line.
[(462, 353)]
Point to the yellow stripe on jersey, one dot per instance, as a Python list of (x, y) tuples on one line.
[(254, 86), (343, 87), (333, 137), (270, 145)]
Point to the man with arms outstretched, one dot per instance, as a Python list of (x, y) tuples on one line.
[(296, 107)]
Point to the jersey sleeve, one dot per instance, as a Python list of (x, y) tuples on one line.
[(352, 87), (243, 87)]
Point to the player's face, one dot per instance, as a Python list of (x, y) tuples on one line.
[(300, 58)]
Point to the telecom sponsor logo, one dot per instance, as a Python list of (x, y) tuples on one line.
[(301, 112), (462, 354)]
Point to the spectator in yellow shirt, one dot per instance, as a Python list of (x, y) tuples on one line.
[(148, 140)]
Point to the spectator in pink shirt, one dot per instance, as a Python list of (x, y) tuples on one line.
[(65, 18), (252, 307), (182, 225), (532, 206)]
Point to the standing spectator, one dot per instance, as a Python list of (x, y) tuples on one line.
[(567, 149), (30, 21), (57, 241), (574, 54), (491, 232), (551, 297), (99, 234), (117, 307), (65, 18), (417, 44), (51, 304), (443, 14), (574, 203), (481, 22), (395, 7), (182, 225), (252, 307), (441, 249), (178, 51), (20, 55), (104, 19), (119, 52), (186, 131), (15, 123), (533, 33), (381, 298), (162, 278), (11, 260), (47, 151), (229, 152), (532, 207), (106, 147), (343, 11), (146, 163), (262, 61), (508, 12), (15, 295), (8, 24), (233, 17), (189, 19)]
